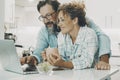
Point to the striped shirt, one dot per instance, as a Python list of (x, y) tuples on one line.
[(82, 52)]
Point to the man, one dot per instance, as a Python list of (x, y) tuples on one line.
[(48, 36)]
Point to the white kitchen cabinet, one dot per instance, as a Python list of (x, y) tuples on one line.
[(106, 15), (9, 11)]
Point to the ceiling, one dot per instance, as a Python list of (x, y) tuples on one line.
[(26, 3)]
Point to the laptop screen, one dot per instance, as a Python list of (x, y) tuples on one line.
[(9, 58)]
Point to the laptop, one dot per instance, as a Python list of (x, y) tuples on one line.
[(10, 60)]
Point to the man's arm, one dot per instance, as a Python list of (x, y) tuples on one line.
[(41, 45), (104, 46), (37, 54), (105, 58), (104, 53)]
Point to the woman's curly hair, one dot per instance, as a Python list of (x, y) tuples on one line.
[(74, 9)]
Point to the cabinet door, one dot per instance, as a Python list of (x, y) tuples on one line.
[(9, 11)]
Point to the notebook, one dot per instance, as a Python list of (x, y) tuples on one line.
[(10, 60)]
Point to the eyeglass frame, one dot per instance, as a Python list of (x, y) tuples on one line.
[(48, 16)]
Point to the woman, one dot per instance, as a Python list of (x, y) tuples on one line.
[(77, 43)]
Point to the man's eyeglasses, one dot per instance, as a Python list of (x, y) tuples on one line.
[(48, 16)]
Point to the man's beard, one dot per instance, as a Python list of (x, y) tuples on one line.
[(52, 27)]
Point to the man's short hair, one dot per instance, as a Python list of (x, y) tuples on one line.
[(54, 3)]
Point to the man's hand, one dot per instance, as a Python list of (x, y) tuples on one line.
[(102, 66), (28, 60)]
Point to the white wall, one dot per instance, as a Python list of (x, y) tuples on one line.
[(27, 16), (28, 25), (2, 19)]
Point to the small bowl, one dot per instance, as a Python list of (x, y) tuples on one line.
[(44, 68)]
